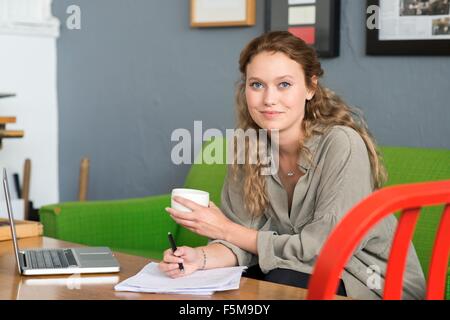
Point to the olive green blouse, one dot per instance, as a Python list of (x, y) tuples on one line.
[(337, 178)]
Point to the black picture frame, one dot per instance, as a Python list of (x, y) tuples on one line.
[(375, 46), (326, 25)]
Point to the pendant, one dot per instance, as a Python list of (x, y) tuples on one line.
[(290, 174)]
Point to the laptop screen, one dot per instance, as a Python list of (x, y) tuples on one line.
[(11, 218)]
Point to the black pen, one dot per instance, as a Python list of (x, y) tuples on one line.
[(174, 248)]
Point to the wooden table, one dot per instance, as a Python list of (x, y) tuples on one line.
[(101, 286)]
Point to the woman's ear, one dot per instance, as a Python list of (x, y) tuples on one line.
[(311, 92)]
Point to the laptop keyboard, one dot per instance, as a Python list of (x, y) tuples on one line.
[(51, 259)]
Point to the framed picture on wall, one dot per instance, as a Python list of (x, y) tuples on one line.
[(222, 13), (408, 27), (317, 22)]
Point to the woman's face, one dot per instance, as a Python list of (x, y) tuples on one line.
[(276, 91)]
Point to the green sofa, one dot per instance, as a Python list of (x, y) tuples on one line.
[(140, 226)]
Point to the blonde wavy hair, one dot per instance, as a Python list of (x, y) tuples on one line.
[(325, 110)]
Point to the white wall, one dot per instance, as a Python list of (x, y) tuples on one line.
[(28, 68)]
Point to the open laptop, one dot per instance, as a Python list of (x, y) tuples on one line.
[(58, 261)]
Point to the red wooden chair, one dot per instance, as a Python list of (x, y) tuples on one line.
[(350, 231)]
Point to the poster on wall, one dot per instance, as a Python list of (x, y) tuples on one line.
[(410, 27), (317, 22)]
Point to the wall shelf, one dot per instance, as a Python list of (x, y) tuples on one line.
[(25, 17), (4, 120), (7, 95)]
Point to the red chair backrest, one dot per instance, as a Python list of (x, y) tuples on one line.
[(350, 231)]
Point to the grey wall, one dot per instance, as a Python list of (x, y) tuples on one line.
[(406, 100), (136, 71)]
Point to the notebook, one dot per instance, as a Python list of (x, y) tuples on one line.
[(203, 282)]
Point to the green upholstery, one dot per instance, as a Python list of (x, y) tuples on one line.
[(135, 226), (140, 226), (203, 177), (410, 165)]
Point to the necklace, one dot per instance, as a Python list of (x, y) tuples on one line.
[(290, 173)]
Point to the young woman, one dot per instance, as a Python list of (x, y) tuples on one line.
[(328, 162)]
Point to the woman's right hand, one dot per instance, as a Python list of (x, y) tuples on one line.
[(189, 257)]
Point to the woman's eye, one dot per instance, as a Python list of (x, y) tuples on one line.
[(285, 84), (256, 85)]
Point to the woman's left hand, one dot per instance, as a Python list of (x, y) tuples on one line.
[(206, 221)]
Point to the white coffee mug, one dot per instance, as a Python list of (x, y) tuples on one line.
[(197, 196)]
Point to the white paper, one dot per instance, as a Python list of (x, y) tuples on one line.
[(302, 15), (399, 20), (204, 282), (220, 10), (296, 2)]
